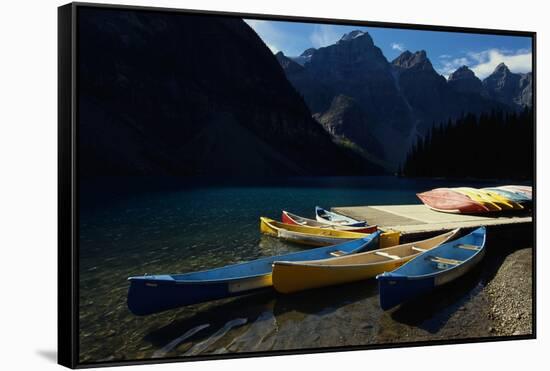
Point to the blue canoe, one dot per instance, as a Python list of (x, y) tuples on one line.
[(157, 293), (332, 218), (520, 198), (431, 269)]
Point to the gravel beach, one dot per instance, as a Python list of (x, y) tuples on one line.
[(510, 293)]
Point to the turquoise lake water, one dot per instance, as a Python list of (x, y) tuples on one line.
[(132, 226)]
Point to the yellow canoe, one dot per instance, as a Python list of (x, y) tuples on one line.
[(485, 200), (289, 277), (501, 199), (319, 236)]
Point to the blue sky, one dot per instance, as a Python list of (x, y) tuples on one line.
[(446, 50)]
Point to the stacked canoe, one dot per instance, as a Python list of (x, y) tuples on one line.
[(466, 200)]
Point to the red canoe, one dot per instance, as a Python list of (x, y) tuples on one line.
[(449, 201), (289, 218)]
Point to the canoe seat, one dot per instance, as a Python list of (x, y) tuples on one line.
[(386, 255), (337, 253), (438, 259), (468, 247), (419, 249)]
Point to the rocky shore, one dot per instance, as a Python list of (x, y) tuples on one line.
[(493, 301), (510, 294)]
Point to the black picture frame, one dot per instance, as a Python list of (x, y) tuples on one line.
[(68, 168)]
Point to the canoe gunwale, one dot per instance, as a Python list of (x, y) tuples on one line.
[(161, 280), (336, 267), (333, 233), (451, 235), (306, 222), (345, 220), (197, 281), (465, 263)]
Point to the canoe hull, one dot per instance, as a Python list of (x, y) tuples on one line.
[(501, 200), (514, 196), (527, 190), (523, 190), (289, 277), (152, 294), (148, 296), (309, 239), (313, 236), (447, 200), (398, 286), (397, 290), (332, 218), (483, 199), (292, 219)]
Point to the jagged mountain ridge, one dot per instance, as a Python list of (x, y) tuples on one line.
[(402, 99), (304, 57), (150, 103), (353, 67), (464, 80), (513, 89)]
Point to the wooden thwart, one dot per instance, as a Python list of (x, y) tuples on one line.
[(418, 249), (468, 247), (386, 255), (439, 259)]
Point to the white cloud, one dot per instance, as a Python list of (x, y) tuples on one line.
[(483, 63), (324, 35), (268, 33), (398, 46), (520, 61), (451, 65)]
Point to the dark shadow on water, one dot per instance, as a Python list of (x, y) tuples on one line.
[(252, 307), (432, 311), (49, 355), (327, 299), (216, 315)]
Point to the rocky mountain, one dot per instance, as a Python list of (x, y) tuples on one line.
[(180, 94), (423, 89), (317, 94), (304, 57), (354, 91), (464, 80), (345, 119), (355, 68), (525, 96), (513, 89), (288, 64)]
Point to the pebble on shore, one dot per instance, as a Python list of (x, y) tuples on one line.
[(511, 294)]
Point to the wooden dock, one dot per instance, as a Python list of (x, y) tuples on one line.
[(418, 221)]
